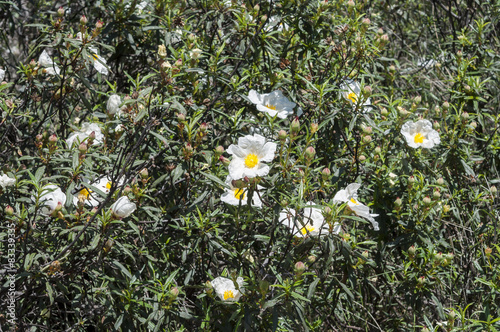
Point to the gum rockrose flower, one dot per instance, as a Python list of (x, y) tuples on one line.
[(79, 136), (113, 104), (249, 157), (273, 103), (123, 207), (234, 195), (6, 181), (313, 223), (226, 290), (420, 134), (52, 198), (89, 197), (349, 195), (44, 60), (351, 92)]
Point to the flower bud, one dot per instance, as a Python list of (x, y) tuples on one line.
[(493, 190), (446, 208), (310, 153), (362, 157), (314, 128), (436, 194), (165, 65), (402, 111), (174, 292), (398, 202), (219, 150), (367, 129), (384, 38), (203, 127), (445, 105), (181, 117), (83, 20), (384, 111), (420, 281), (178, 63), (60, 12), (436, 125), (378, 150), (366, 21), (82, 148), (417, 99), (350, 4), (427, 200), (440, 181), (392, 68), (224, 161), (144, 173), (295, 126), (325, 173), (464, 115), (92, 136), (39, 137), (187, 150), (113, 104), (99, 25), (488, 251), (365, 254), (162, 51), (411, 179), (282, 135), (311, 259), (9, 210), (411, 251), (367, 90), (52, 139), (473, 124), (438, 258), (367, 139), (300, 267)]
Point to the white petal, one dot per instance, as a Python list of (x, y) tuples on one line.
[(255, 97), (267, 152), (340, 196)]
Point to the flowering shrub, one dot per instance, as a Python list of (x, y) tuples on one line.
[(236, 165)]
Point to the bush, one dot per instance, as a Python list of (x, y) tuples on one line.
[(224, 165)]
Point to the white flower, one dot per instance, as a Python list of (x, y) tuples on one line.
[(313, 223), (276, 21), (226, 289), (349, 195), (2, 75), (89, 197), (52, 196), (235, 195), (420, 134), (99, 63), (119, 128), (85, 131), (123, 207), (249, 157), (195, 53), (113, 104), (273, 103), (6, 181), (50, 67), (351, 91)]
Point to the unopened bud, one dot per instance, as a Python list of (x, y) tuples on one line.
[(325, 173), (282, 135), (446, 105), (224, 161), (464, 115), (398, 202), (99, 25), (436, 125), (367, 130), (493, 190), (427, 200), (421, 281), (92, 135), (440, 181), (378, 150), (488, 251), (178, 63), (417, 100), (366, 21), (367, 139), (82, 147), (300, 267), (9, 210), (52, 139), (411, 179), (311, 259), (295, 126), (392, 68), (174, 292), (436, 194), (384, 111), (473, 124), (181, 117), (162, 51), (362, 158), (314, 128), (219, 150), (310, 153), (144, 173), (350, 3), (367, 90), (384, 38), (411, 251), (203, 127), (365, 254), (83, 20), (60, 12), (39, 137)]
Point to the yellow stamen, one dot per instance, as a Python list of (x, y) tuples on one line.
[(239, 193), (84, 193), (306, 228), (95, 56), (271, 107), (419, 138), (354, 201), (108, 185), (228, 295), (352, 97), (251, 160)]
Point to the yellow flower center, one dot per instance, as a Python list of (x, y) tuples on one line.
[(84, 193), (419, 138), (306, 228), (228, 295), (251, 160), (108, 185), (239, 193), (352, 97), (271, 107), (354, 201)]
